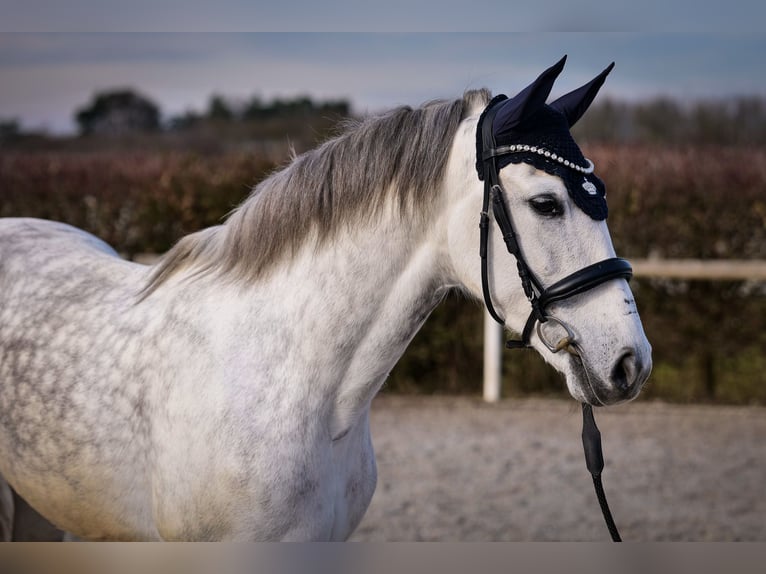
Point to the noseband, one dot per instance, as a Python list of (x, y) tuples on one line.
[(539, 297)]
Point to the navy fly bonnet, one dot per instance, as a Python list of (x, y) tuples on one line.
[(526, 129)]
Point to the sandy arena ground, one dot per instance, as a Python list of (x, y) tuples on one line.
[(457, 469)]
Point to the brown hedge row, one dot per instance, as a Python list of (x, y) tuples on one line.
[(699, 202), (136, 201)]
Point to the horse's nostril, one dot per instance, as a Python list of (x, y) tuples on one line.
[(625, 371)]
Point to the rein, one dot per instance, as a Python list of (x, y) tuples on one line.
[(541, 297)]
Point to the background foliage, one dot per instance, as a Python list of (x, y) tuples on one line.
[(681, 184)]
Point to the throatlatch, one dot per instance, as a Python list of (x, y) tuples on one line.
[(526, 129)]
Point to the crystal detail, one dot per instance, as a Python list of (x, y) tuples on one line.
[(517, 148)]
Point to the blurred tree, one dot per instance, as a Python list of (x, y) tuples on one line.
[(301, 106), (254, 109), (723, 121), (118, 112), (186, 120), (9, 130), (219, 110), (609, 121), (712, 122), (660, 120), (336, 107), (750, 118)]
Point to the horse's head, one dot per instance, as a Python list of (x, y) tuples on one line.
[(567, 295)]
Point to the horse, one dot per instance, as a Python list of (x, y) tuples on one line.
[(224, 392)]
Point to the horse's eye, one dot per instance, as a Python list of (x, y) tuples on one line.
[(547, 206)]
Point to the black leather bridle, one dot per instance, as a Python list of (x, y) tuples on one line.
[(539, 297)]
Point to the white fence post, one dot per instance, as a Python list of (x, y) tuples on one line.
[(493, 349)]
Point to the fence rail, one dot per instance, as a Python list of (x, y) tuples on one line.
[(701, 269)]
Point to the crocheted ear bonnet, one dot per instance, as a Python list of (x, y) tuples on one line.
[(526, 129)]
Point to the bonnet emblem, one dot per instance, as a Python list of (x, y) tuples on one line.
[(589, 187)]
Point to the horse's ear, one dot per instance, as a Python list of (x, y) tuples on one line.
[(527, 101), (574, 104)]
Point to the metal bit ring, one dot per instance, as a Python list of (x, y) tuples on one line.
[(565, 343)]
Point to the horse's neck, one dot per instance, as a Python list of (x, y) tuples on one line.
[(335, 319), (386, 288)]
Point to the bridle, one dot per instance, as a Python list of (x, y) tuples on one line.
[(541, 297)]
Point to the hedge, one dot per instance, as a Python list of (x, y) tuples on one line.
[(692, 202)]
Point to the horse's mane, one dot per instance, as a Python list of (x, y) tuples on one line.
[(400, 155)]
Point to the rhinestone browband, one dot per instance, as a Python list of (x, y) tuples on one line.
[(518, 148)]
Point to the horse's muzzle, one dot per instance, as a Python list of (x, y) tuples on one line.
[(626, 377)]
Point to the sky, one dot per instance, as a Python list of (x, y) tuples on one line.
[(45, 76)]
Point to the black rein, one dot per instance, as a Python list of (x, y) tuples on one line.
[(539, 297)]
